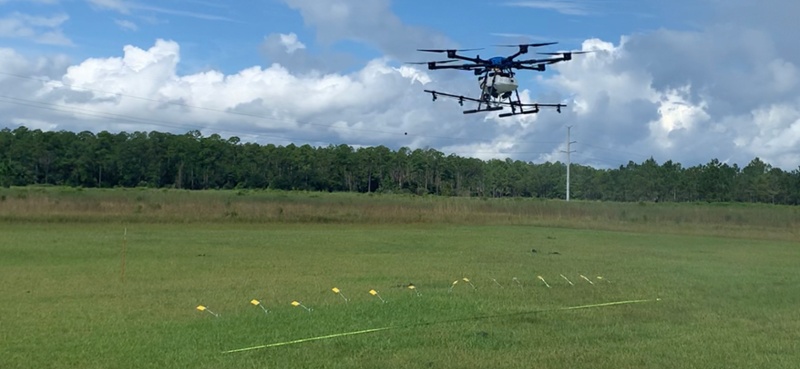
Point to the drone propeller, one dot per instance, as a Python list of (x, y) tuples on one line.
[(538, 67), (520, 63), (529, 45), (435, 62), (567, 52), (565, 55), (445, 50)]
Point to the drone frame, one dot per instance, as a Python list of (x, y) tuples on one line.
[(487, 102)]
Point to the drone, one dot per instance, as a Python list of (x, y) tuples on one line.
[(496, 77)]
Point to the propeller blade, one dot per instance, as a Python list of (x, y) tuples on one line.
[(567, 52), (445, 50), (530, 45), (537, 67), (436, 62), (535, 61)]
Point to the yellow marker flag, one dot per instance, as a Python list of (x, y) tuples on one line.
[(203, 308), (375, 293), (297, 303), (467, 280), (339, 292), (414, 288), (258, 303), (453, 285)]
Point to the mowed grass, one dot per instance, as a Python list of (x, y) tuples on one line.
[(724, 302)]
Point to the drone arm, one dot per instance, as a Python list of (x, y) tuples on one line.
[(523, 49), (459, 67), (476, 60), (514, 55), (453, 54)]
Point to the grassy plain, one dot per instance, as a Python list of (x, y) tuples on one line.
[(727, 277)]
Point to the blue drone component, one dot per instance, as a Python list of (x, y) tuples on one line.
[(499, 87)]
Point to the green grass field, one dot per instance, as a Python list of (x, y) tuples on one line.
[(727, 277)]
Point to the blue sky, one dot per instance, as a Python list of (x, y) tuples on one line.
[(682, 80), (226, 35)]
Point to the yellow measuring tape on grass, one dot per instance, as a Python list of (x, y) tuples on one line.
[(302, 340), (307, 340)]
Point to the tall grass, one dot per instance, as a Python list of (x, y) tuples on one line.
[(56, 204)]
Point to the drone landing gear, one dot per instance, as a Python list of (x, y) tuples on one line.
[(490, 108), (504, 115)]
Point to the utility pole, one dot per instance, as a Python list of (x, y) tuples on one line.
[(569, 143)]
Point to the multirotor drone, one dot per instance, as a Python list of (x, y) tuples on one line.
[(496, 77)]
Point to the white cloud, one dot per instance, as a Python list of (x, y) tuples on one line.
[(291, 42), (288, 51), (773, 131), (562, 6), (43, 30), (35, 124), (18, 96), (616, 110), (47, 2), (371, 22), (128, 7), (676, 113), (728, 89), (126, 25), (374, 105), (499, 147), (685, 96), (121, 6)]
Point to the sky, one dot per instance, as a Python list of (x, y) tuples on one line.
[(683, 80)]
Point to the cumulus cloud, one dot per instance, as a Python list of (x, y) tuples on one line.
[(378, 104), (726, 90), (18, 102), (291, 43), (618, 111), (719, 92)]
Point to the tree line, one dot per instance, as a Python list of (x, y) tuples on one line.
[(192, 161)]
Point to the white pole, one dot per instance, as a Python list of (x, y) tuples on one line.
[(569, 143)]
